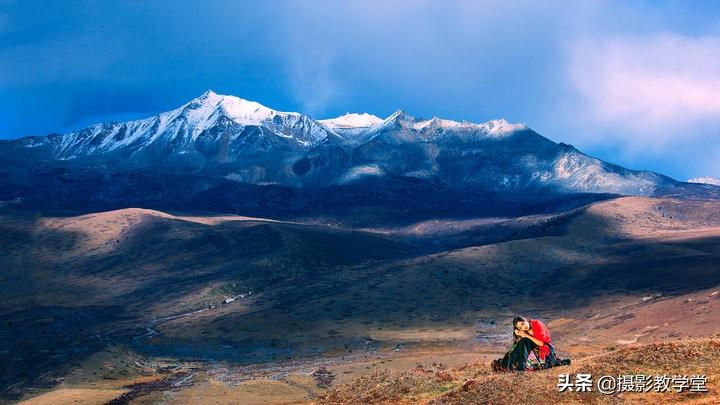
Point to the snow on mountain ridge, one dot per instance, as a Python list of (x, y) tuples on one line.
[(497, 127), (183, 126), (502, 127), (360, 121), (352, 120), (180, 128), (203, 112), (580, 172), (244, 112), (705, 180)]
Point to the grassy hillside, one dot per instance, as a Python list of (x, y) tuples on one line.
[(248, 290)]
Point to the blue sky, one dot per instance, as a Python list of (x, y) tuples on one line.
[(636, 83)]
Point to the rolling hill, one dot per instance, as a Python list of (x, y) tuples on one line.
[(249, 290)]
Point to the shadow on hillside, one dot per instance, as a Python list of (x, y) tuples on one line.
[(337, 306)]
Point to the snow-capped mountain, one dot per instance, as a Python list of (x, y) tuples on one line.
[(219, 142), (210, 118)]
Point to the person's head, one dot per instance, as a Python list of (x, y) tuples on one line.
[(521, 323)]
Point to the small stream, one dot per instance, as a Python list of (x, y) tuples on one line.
[(150, 331)]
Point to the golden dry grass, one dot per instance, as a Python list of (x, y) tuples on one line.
[(75, 396), (476, 384), (256, 392)]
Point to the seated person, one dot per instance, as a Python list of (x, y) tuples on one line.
[(532, 348)]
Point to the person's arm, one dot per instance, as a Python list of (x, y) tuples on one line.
[(524, 334)]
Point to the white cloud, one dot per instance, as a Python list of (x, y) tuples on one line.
[(649, 87), (311, 81), (308, 61)]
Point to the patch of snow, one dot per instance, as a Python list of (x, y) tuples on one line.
[(34, 143), (399, 115), (705, 180), (438, 123), (502, 127), (352, 120), (494, 128), (580, 172), (357, 172)]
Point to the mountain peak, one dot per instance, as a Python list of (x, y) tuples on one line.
[(210, 105), (400, 115), (183, 125), (207, 93)]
